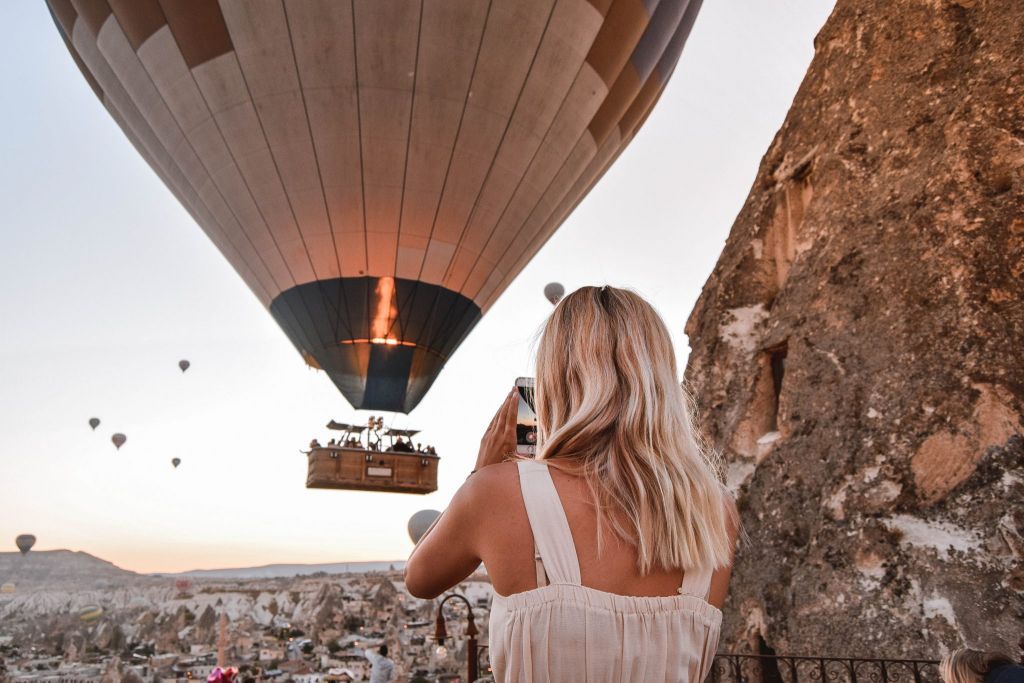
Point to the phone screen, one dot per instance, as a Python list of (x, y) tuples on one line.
[(526, 422)]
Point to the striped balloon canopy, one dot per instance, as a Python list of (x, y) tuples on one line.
[(90, 613), (378, 171)]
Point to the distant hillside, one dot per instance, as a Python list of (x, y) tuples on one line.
[(286, 570), (76, 569), (61, 568)]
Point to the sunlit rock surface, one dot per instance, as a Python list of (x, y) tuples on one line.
[(858, 351)]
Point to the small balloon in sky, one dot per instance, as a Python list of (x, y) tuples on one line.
[(25, 542), (184, 365), (554, 291), (118, 440), (90, 613), (7, 588), (420, 522), (94, 422), (175, 462)]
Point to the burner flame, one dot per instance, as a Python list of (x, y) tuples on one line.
[(384, 313)]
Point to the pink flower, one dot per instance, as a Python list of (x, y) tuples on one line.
[(220, 675)]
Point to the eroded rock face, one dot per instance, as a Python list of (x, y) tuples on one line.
[(858, 351)]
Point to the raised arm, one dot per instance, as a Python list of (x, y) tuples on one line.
[(449, 551)]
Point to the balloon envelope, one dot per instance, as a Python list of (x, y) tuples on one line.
[(182, 585), (118, 440), (184, 365), (25, 542), (420, 522), (7, 588), (90, 613), (554, 291), (378, 172), (175, 462), (94, 422)]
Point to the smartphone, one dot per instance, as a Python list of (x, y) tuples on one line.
[(526, 422)]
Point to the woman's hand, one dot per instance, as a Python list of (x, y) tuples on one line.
[(499, 441)]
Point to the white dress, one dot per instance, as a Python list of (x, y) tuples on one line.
[(564, 631)]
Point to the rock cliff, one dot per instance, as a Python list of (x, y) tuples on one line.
[(858, 351)]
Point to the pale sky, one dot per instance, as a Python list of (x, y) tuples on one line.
[(106, 282)]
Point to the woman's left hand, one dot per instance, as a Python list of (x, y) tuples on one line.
[(499, 441)]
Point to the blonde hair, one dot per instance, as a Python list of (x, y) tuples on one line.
[(611, 408), (970, 666)]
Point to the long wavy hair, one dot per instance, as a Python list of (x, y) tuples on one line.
[(611, 408), (970, 666)]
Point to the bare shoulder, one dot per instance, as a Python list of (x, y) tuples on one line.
[(490, 500), (494, 482)]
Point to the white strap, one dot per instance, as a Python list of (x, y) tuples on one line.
[(550, 527), (542, 577), (697, 582)]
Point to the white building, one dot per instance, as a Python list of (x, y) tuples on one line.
[(268, 654)]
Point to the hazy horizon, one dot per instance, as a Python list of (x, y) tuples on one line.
[(197, 570), (108, 283)]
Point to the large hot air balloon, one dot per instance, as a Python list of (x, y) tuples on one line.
[(94, 422), (175, 462), (420, 522), (184, 365), (25, 542), (554, 291), (118, 440), (378, 171)]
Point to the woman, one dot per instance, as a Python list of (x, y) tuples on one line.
[(610, 553)]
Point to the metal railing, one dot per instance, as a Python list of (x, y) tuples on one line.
[(741, 668)]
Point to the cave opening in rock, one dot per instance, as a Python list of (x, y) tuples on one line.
[(777, 370)]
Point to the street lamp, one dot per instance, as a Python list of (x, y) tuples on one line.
[(441, 632)]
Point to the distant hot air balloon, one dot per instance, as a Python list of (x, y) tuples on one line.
[(90, 613), (378, 172), (25, 542), (182, 585), (119, 440), (175, 462), (420, 522), (94, 422), (554, 291), (7, 588), (184, 365)]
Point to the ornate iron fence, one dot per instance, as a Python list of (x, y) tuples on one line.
[(737, 668)]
